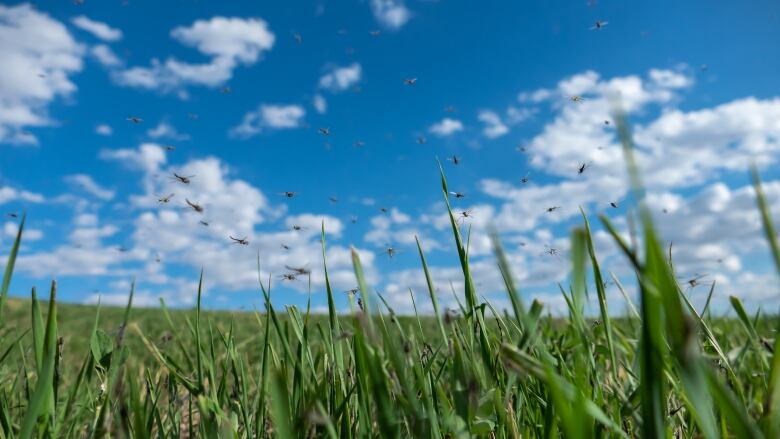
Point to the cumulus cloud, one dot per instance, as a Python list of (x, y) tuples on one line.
[(164, 130), (165, 235), (446, 127), (104, 129), (392, 14), (320, 104), (97, 28), (339, 79), (269, 116), (9, 194), (228, 42), (105, 56), (87, 184), (39, 57), (494, 126)]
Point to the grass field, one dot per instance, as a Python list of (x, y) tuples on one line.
[(665, 370)]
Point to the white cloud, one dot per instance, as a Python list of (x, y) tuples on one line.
[(339, 79), (97, 28), (494, 127), (165, 130), (105, 55), (392, 14), (269, 116), (161, 236), (228, 42), (89, 185), (446, 127), (39, 55), (104, 130), (9, 194), (148, 157), (320, 104), (10, 229)]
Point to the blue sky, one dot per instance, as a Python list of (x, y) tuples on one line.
[(700, 84)]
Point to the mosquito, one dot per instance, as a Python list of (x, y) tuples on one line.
[(298, 38), (454, 159), (383, 209), (353, 291), (288, 194), (204, 223), (135, 119), (165, 199), (241, 241), (325, 131), (122, 249), (354, 219), (225, 90), (182, 178), (552, 209), (12, 215), (521, 148), (298, 228), (391, 251), (410, 81), (598, 25), (359, 144), (458, 194), (450, 109), (614, 204), (421, 140), (525, 178), (195, 206), (288, 276), (299, 271), (157, 258), (170, 148), (576, 99), (606, 122), (285, 246), (694, 281), (552, 251), (333, 200), (582, 167), (375, 33), (465, 214)]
